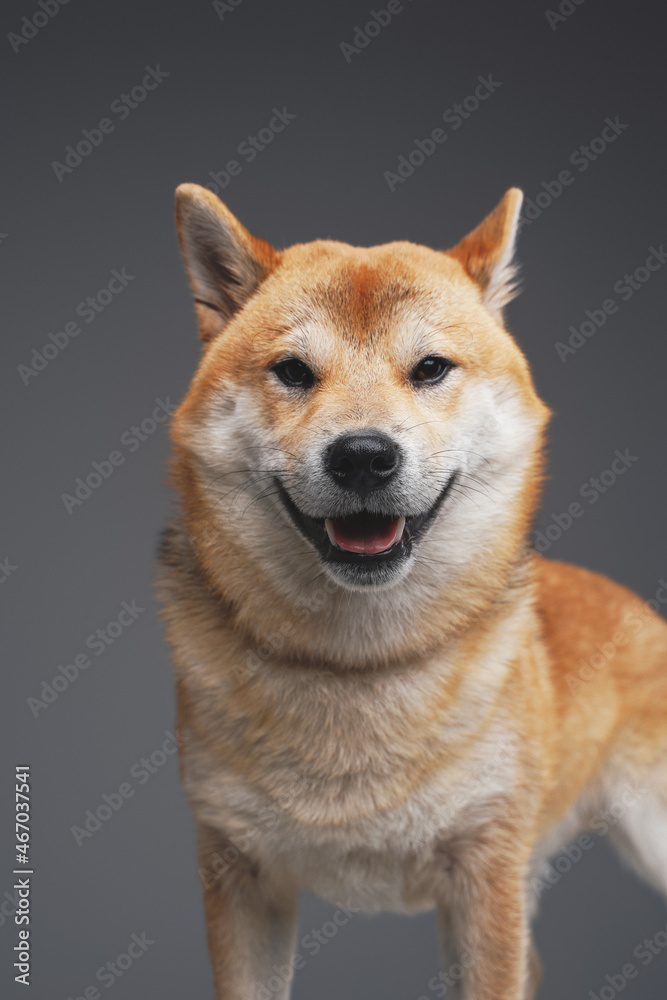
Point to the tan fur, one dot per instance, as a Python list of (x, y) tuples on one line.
[(422, 743)]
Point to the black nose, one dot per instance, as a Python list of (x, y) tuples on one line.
[(362, 462)]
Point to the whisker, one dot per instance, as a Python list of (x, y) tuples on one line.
[(475, 490), (268, 492), (421, 424), (270, 447), (263, 472)]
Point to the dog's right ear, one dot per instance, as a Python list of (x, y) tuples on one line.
[(224, 263)]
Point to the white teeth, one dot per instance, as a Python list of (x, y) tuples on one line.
[(400, 528), (328, 524)]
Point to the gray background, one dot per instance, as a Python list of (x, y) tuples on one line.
[(323, 176)]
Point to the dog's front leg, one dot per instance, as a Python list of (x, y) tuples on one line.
[(483, 925), (251, 920)]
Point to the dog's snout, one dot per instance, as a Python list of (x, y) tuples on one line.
[(363, 461)]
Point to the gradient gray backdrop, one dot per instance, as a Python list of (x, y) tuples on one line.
[(322, 176)]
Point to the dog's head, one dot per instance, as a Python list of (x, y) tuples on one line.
[(357, 410)]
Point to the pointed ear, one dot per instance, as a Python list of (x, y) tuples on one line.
[(486, 253), (225, 265)]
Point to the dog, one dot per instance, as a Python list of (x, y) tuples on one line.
[(384, 694)]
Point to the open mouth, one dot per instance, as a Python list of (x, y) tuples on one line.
[(364, 539), (366, 534)]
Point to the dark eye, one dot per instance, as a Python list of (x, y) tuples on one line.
[(431, 369), (294, 373)]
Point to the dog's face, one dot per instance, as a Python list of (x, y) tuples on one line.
[(357, 410)]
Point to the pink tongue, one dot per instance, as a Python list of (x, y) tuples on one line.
[(365, 534)]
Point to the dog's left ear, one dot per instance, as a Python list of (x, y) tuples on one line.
[(487, 253)]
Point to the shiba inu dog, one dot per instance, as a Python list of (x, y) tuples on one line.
[(380, 686)]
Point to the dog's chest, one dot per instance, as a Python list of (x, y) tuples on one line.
[(346, 785)]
